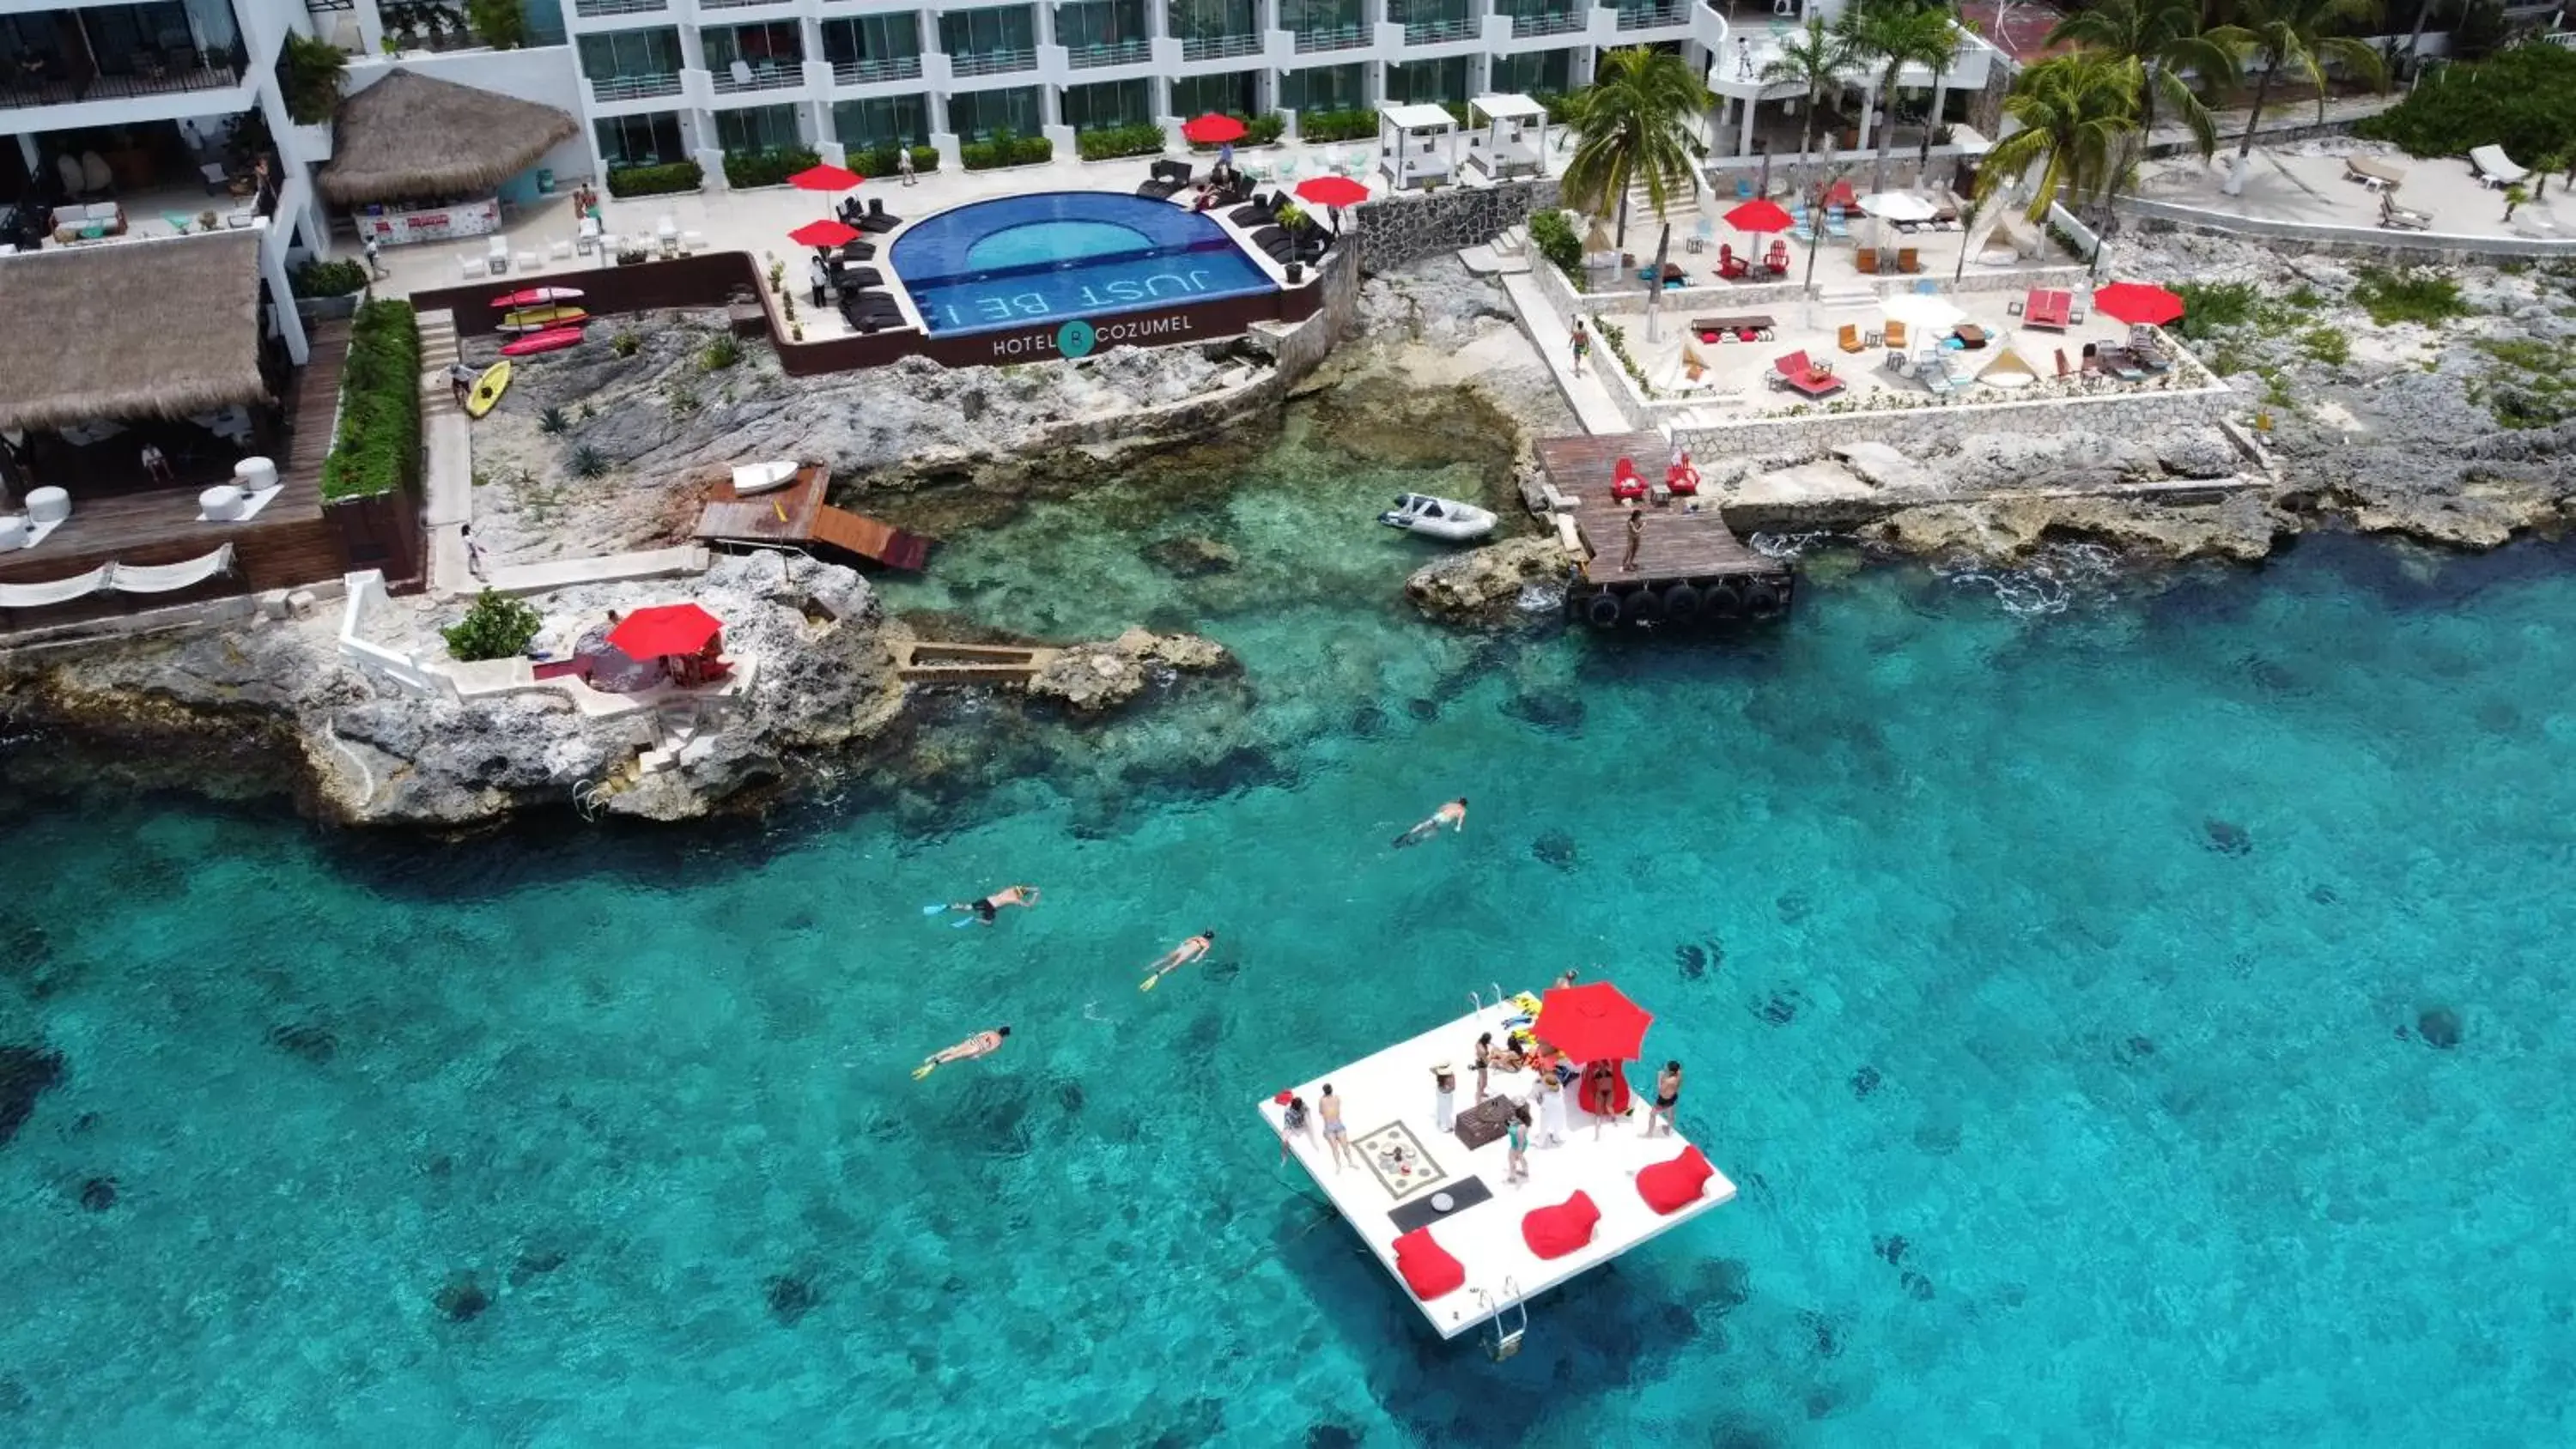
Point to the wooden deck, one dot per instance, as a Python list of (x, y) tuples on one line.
[(1676, 543), (289, 543), (797, 514)]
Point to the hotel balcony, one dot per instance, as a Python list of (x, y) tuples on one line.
[(876, 72), (1440, 32), (1219, 47), (991, 62), (1339, 37), (604, 9), (613, 89), (744, 77), (1566, 22), (1095, 57), (1654, 17), (78, 72)]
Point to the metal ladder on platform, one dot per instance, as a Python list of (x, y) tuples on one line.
[(1502, 1342), (1481, 1004)]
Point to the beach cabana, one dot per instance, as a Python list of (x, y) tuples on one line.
[(420, 159), (1414, 143), (1506, 135), (2007, 370)]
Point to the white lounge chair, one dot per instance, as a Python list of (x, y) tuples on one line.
[(2494, 168)]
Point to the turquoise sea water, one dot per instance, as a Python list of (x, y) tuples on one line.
[(2054, 984)]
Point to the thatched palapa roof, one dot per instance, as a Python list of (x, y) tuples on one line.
[(149, 328), (410, 137)]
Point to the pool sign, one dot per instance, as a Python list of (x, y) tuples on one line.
[(1074, 338), (1081, 338)]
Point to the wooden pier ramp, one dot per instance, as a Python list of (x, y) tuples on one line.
[(1690, 567), (796, 514), (923, 661)]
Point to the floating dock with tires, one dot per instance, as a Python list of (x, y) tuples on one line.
[(1690, 568)]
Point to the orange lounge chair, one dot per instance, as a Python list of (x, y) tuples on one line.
[(1896, 335), (1849, 339)]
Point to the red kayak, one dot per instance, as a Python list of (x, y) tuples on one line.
[(559, 338), (538, 297)]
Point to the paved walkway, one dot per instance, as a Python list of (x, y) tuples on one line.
[(1586, 394), (655, 563), (447, 503)]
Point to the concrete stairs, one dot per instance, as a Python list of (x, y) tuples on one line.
[(438, 352), (1853, 298)]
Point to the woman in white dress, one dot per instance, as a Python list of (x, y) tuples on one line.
[(1551, 1111)]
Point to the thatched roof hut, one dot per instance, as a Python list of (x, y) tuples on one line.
[(162, 327), (410, 137)]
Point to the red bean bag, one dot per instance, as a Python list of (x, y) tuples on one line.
[(1553, 1232), (1427, 1267), (1667, 1186)]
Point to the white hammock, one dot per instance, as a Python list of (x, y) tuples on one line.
[(168, 578), (58, 591)]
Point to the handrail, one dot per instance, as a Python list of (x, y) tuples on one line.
[(991, 62)]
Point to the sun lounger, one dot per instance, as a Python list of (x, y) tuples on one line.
[(2050, 309), (2398, 218), (1797, 374), (2495, 169), (2376, 174), (877, 218), (1168, 179), (1908, 260)]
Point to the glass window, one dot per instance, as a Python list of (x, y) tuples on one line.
[(1110, 103), (764, 46), (1427, 82), (1536, 72), (1325, 88), (1308, 16), (981, 32), (1237, 93), (640, 140), (623, 53), (544, 20), (758, 128), (1099, 22), (1426, 12), (881, 121), (977, 115), (1212, 19), (872, 38)]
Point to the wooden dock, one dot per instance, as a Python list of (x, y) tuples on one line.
[(1690, 566), (797, 515), (921, 661)]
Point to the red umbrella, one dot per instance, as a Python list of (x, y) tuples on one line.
[(665, 629), (1760, 215), (2137, 302), (1212, 129), (1592, 1022), (1332, 191), (825, 178), (823, 234)]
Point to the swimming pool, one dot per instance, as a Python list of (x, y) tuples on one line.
[(1066, 254)]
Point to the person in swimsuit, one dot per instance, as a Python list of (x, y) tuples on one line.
[(1336, 1136), (1294, 1125), (1483, 1056), (991, 906), (1601, 1092), (1567, 979), (982, 1043), (1453, 813), (1668, 1090), (1516, 1142), (1178, 957)]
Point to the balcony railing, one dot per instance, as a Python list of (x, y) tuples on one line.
[(732, 4), (634, 87), (156, 74), (775, 76), (1526, 26), (991, 62), (1117, 52), (598, 9), (869, 72), (1219, 47), (1339, 37), (1652, 17), (1432, 32)]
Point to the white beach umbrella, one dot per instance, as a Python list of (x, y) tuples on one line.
[(1922, 313), (1898, 206)]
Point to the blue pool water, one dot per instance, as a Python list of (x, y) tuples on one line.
[(2052, 983), (1062, 255)]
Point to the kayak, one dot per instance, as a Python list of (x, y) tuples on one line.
[(556, 340), (539, 319), (488, 389), (537, 297)]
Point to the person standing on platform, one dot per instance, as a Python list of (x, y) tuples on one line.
[(1484, 1060), (1668, 1090), (1516, 1146), (1551, 1111), (1636, 532), (1336, 1136)]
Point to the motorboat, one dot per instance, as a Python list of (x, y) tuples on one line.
[(1444, 518)]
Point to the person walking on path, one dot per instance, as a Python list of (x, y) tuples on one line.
[(1668, 1090), (461, 378), (1516, 1146), (375, 251), (1582, 346), (473, 550), (1178, 957), (1636, 532), (903, 164), (1337, 1138), (1453, 814), (982, 1043)]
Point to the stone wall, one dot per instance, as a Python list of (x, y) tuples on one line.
[(2410, 248), (1919, 431), (1395, 230)]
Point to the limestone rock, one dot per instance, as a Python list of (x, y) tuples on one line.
[(1094, 678), (2241, 526), (1884, 467), (1485, 581)]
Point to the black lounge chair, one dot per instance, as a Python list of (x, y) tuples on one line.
[(852, 280), (858, 251), (1167, 181), (877, 218), (851, 211), (1261, 212)]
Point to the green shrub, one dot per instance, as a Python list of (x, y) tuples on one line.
[(318, 278), (588, 462), (1553, 235), (1005, 149), (659, 180), (2209, 308), (495, 626), (626, 343), (1107, 143), (2413, 294), (766, 168), (378, 446), (2523, 99), (880, 161), (310, 73), (1257, 131), (500, 24), (552, 421), (1336, 125), (721, 352), (2327, 345)]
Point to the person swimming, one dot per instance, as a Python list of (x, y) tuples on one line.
[(1454, 813), (1178, 957), (982, 1043), (991, 906)]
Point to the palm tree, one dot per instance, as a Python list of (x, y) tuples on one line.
[(1634, 123), (1893, 34), (1813, 58), (2291, 34), (2074, 112), (2165, 38)]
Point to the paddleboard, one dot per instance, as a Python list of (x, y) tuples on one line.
[(488, 389), (560, 337), (538, 319), (538, 297)]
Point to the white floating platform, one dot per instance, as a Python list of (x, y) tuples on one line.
[(1392, 1090)]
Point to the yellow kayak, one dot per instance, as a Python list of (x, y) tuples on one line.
[(488, 389), (541, 319)]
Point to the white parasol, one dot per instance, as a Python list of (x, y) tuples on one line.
[(1922, 313), (1898, 206)]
